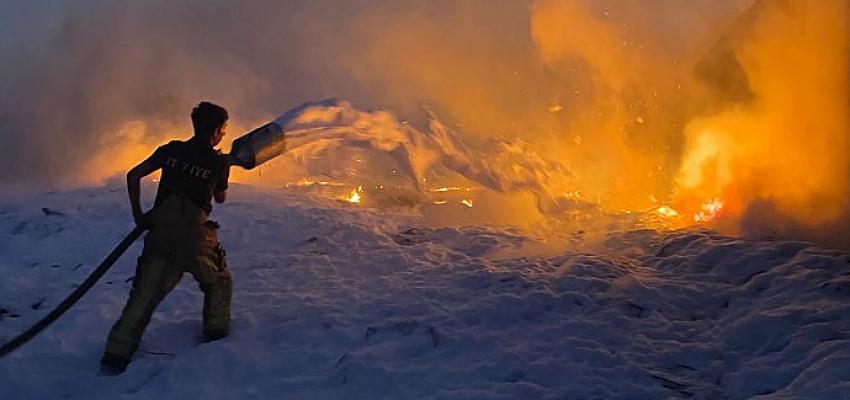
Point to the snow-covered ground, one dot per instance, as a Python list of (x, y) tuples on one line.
[(334, 301)]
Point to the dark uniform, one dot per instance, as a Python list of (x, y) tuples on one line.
[(181, 239)]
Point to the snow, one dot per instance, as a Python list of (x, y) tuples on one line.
[(339, 301)]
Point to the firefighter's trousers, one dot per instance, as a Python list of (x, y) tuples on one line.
[(157, 273)]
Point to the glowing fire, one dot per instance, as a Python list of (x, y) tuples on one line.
[(309, 182), (631, 108), (786, 146), (356, 195), (709, 210), (666, 211), (448, 194), (448, 189)]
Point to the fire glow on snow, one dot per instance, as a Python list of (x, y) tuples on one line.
[(335, 304)]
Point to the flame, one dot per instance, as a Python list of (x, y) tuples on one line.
[(631, 131), (709, 210), (447, 194), (666, 211), (787, 145), (448, 189), (306, 182), (356, 195)]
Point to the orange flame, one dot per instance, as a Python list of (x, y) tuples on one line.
[(356, 195), (709, 210)]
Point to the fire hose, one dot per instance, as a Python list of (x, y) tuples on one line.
[(248, 151), (69, 301)]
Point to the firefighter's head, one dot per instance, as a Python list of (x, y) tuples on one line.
[(209, 121)]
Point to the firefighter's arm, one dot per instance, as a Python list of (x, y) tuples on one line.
[(220, 192), (220, 196), (134, 177)]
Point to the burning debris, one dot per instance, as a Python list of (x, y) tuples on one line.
[(355, 196), (709, 210), (666, 211)]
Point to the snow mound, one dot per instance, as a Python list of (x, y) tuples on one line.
[(334, 301)]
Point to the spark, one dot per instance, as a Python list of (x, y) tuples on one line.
[(467, 202)]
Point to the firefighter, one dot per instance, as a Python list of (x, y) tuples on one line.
[(180, 238)]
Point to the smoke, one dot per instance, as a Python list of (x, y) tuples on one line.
[(80, 72), (85, 77), (621, 124), (82, 77), (648, 102), (779, 157)]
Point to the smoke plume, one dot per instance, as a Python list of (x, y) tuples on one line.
[(735, 102)]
